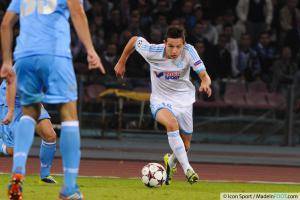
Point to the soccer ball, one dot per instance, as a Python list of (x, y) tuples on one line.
[(153, 175)]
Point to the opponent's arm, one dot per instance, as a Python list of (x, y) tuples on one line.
[(10, 98), (128, 50), (7, 25), (205, 82), (80, 23)]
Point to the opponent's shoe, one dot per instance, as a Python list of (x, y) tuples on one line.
[(74, 196), (15, 187), (49, 179), (170, 171), (192, 176)]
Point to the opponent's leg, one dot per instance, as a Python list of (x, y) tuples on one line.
[(47, 150)]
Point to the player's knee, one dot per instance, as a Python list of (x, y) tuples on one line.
[(172, 125), (50, 137)]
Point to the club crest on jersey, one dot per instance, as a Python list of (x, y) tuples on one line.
[(180, 65), (168, 75)]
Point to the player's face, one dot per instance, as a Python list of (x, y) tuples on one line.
[(174, 47)]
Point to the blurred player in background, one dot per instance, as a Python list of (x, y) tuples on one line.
[(173, 94), (45, 73), (10, 114)]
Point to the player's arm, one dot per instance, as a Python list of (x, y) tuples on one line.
[(199, 67), (7, 25), (10, 98), (80, 23), (205, 82), (128, 50)]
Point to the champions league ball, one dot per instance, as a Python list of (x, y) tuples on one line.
[(153, 175)]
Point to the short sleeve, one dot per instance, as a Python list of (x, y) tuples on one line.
[(142, 46), (14, 6), (195, 61)]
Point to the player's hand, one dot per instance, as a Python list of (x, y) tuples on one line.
[(8, 118), (95, 61), (120, 69), (204, 87), (7, 71)]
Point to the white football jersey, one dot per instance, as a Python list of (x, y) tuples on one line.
[(170, 78)]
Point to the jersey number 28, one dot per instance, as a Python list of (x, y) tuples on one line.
[(44, 7)]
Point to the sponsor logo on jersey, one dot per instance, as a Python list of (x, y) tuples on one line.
[(168, 75), (159, 74)]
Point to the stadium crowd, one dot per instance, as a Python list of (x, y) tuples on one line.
[(237, 39)]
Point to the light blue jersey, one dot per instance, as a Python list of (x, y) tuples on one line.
[(3, 96), (44, 26), (42, 55)]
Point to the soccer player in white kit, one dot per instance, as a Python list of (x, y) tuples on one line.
[(173, 94)]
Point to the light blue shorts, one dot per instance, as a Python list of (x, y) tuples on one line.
[(45, 78), (7, 131)]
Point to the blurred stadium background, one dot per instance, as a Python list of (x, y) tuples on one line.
[(251, 51)]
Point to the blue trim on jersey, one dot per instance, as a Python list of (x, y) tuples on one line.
[(152, 49), (192, 52), (200, 70), (155, 48)]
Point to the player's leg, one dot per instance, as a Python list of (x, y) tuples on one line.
[(186, 138), (70, 149), (5, 149), (185, 120), (30, 90), (168, 120), (23, 138), (48, 146), (62, 89)]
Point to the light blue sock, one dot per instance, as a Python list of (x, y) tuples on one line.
[(47, 152), (70, 150), (23, 140), (2, 147)]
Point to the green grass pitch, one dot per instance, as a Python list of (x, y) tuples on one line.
[(131, 189)]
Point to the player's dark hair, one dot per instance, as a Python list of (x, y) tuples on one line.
[(175, 32)]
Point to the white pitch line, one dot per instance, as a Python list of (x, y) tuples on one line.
[(210, 181)]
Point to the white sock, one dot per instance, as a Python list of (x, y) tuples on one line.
[(178, 149), (172, 160)]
